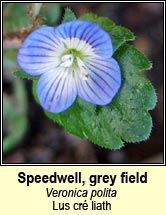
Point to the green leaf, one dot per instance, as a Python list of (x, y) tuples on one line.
[(51, 13), (34, 91), (15, 17), (22, 74), (83, 120), (119, 34), (69, 15)]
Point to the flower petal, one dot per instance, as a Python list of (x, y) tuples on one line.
[(92, 33), (38, 52), (102, 82), (56, 90)]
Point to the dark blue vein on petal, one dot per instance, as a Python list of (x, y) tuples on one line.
[(40, 47), (67, 96), (85, 91), (58, 97), (102, 89), (99, 44), (75, 31), (43, 41), (62, 88), (102, 78), (38, 62), (84, 33), (44, 85), (61, 32), (70, 30), (32, 55), (52, 85), (43, 68), (110, 68), (91, 34), (103, 81), (67, 87), (54, 41), (66, 31), (94, 91)]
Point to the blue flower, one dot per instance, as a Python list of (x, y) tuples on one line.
[(73, 59)]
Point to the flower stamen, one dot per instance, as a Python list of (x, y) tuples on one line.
[(67, 60), (82, 68), (75, 63)]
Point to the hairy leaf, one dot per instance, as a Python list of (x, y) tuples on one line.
[(69, 15)]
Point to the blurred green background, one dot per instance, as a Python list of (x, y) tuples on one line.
[(28, 136)]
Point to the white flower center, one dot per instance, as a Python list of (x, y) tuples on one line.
[(67, 60), (74, 55)]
